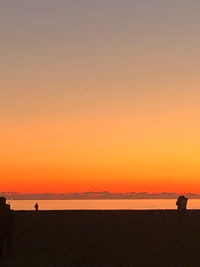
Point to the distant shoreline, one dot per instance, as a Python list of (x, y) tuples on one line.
[(94, 198), (104, 195)]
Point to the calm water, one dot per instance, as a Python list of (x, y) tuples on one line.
[(137, 204)]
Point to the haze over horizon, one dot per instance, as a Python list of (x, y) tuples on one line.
[(100, 95), (104, 195)]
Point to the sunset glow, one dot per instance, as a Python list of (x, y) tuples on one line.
[(100, 96)]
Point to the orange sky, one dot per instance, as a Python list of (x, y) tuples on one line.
[(100, 97)]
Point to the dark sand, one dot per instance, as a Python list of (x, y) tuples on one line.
[(106, 238)]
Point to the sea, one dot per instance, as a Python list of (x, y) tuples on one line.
[(110, 204)]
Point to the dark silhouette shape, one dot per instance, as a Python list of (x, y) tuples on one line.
[(6, 228), (182, 203), (36, 207)]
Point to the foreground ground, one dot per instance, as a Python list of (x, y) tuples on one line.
[(106, 238)]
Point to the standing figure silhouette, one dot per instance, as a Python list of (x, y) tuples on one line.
[(36, 207), (6, 228), (182, 203)]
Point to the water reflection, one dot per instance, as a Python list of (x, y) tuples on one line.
[(137, 204)]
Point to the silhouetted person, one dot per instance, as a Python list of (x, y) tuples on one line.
[(6, 228), (181, 203), (36, 207)]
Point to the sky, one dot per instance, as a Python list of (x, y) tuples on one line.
[(99, 95)]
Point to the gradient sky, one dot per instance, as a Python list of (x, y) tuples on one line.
[(100, 95)]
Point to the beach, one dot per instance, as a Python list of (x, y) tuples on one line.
[(106, 238)]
